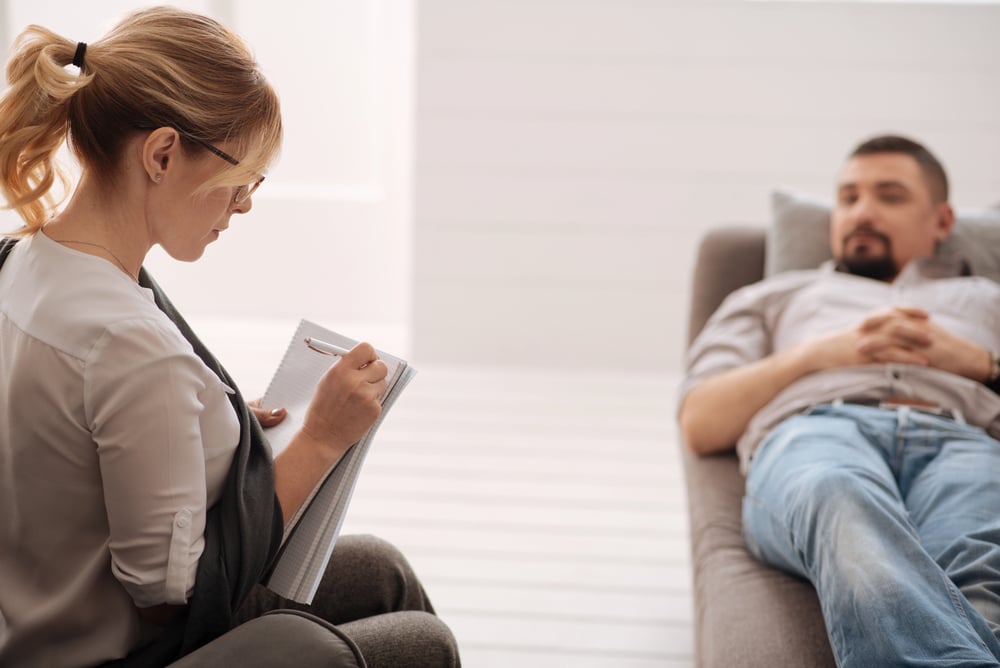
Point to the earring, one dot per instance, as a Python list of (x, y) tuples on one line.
[(158, 177)]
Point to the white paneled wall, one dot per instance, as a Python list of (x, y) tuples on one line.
[(570, 154), (330, 234)]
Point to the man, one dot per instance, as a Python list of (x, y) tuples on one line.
[(862, 397)]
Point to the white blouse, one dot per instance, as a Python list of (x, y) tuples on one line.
[(114, 439)]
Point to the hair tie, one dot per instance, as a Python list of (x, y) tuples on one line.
[(81, 49)]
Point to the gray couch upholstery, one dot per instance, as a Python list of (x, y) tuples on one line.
[(746, 614)]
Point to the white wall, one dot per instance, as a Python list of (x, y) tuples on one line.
[(570, 153), (330, 234)]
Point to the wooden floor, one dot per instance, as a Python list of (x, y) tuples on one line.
[(544, 511)]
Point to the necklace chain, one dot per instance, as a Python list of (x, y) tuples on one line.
[(105, 249)]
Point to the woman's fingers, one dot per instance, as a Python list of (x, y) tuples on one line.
[(267, 418)]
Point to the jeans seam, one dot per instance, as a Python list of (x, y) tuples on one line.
[(956, 600), (838, 643)]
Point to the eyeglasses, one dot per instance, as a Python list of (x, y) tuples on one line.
[(242, 193)]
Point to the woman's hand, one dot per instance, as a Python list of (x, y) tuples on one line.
[(344, 406), (346, 402), (267, 418)]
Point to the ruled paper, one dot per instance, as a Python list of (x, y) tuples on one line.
[(311, 533)]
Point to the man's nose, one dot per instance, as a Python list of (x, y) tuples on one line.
[(863, 211)]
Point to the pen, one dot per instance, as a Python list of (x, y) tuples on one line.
[(325, 348)]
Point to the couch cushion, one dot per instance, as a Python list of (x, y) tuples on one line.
[(799, 235)]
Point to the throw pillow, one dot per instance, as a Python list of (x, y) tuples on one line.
[(799, 236)]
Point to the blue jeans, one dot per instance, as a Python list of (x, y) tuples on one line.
[(894, 517)]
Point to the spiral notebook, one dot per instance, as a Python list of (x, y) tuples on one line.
[(312, 532)]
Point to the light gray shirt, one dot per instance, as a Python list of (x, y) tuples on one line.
[(780, 312), (114, 439)]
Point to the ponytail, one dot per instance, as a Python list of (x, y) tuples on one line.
[(159, 67), (34, 113)]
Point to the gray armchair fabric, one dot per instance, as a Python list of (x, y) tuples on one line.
[(746, 614)]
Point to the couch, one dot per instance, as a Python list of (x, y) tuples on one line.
[(746, 614)]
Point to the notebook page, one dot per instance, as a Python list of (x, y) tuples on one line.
[(297, 376), (311, 533), (308, 548)]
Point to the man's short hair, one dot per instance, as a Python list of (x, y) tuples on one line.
[(933, 171)]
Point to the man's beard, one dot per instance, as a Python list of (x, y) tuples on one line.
[(877, 267)]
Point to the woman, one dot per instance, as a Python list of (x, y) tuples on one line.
[(140, 506)]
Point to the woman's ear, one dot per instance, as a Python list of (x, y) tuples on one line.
[(159, 152)]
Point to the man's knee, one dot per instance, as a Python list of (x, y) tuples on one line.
[(823, 503)]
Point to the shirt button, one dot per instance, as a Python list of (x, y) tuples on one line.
[(183, 521)]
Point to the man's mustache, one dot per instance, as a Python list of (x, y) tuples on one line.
[(869, 231)]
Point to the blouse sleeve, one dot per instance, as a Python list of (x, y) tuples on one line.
[(145, 393)]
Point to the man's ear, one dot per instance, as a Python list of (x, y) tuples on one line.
[(159, 152), (945, 221)]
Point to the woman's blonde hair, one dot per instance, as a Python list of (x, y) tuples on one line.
[(159, 67)]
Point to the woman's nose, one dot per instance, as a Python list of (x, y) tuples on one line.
[(244, 206)]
